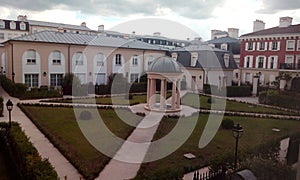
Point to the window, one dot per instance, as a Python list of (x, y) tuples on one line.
[(134, 77), (79, 59), (262, 46), (118, 60), (290, 45), (272, 63), (32, 80), (1, 35), (56, 79), (224, 47), (2, 24), (100, 59), (134, 60), (174, 56), (56, 55), (274, 46), (31, 57), (298, 45), (12, 25), (22, 26), (194, 58), (100, 78), (250, 46), (260, 63), (248, 61), (81, 77)]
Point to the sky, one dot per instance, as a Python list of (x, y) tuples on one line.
[(173, 18)]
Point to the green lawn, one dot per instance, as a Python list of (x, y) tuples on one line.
[(192, 100), (60, 126), (256, 132)]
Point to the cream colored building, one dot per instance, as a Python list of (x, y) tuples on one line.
[(43, 58)]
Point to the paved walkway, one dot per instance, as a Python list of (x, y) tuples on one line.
[(45, 148)]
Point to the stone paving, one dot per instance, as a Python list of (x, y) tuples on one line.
[(144, 133)]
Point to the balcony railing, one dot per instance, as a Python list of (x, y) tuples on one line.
[(292, 66)]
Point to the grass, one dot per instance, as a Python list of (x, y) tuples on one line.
[(64, 132), (256, 132), (192, 100), (116, 100)]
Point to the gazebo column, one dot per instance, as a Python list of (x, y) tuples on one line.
[(153, 92), (173, 94), (148, 91), (162, 94), (178, 93)]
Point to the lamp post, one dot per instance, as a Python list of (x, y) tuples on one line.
[(237, 131), (9, 106), (13, 76)]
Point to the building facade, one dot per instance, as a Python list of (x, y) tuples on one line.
[(10, 29), (266, 52), (43, 58)]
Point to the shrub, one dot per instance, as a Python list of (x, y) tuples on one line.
[(85, 115), (227, 124), (229, 91), (276, 98), (27, 159)]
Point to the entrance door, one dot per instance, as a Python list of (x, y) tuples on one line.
[(193, 83)]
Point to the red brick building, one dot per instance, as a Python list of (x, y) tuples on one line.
[(266, 52)]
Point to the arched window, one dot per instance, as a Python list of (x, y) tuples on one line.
[(79, 59), (100, 59), (56, 58)]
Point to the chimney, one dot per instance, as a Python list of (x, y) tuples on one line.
[(101, 27), (22, 18), (198, 39), (156, 34), (133, 33), (213, 33), (285, 21), (60, 29), (233, 32), (258, 25), (83, 24)]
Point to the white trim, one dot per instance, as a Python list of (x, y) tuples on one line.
[(287, 42)]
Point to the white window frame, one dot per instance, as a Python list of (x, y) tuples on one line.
[(79, 59), (56, 79), (22, 26), (118, 60), (261, 46), (29, 80), (194, 58), (275, 62), (298, 45), (272, 46), (135, 60), (250, 60), (250, 46), (287, 45), (56, 58), (100, 59), (12, 25), (2, 24), (258, 62), (31, 60)]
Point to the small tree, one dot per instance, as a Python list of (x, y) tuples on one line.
[(70, 80)]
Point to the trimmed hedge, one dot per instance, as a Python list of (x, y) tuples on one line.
[(19, 90), (134, 88), (231, 91), (276, 98), (27, 159)]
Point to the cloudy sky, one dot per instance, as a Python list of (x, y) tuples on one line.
[(196, 17)]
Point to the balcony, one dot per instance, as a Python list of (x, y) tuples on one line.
[(291, 66)]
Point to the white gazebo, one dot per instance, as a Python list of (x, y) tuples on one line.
[(163, 69)]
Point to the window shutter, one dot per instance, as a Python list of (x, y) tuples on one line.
[(266, 45), (250, 78), (265, 62), (251, 62), (256, 62), (275, 62), (278, 45), (270, 46), (245, 61), (246, 46), (258, 45), (269, 62), (253, 45)]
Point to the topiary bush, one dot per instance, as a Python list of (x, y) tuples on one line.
[(227, 124)]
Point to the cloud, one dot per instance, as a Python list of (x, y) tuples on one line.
[(196, 9), (273, 6)]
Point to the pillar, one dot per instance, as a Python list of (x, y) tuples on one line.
[(162, 93), (173, 94), (148, 91), (152, 92), (178, 93)]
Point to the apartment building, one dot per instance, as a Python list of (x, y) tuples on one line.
[(266, 52)]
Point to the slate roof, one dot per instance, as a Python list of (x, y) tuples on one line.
[(224, 40), (7, 26), (85, 39), (276, 30), (57, 25), (207, 58)]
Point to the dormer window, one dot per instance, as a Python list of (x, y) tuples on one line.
[(12, 25), (174, 56), (2, 24), (224, 47), (22, 26), (194, 58)]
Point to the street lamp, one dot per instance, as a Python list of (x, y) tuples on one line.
[(9, 106), (237, 131)]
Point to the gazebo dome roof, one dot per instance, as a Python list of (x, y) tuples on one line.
[(164, 65)]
